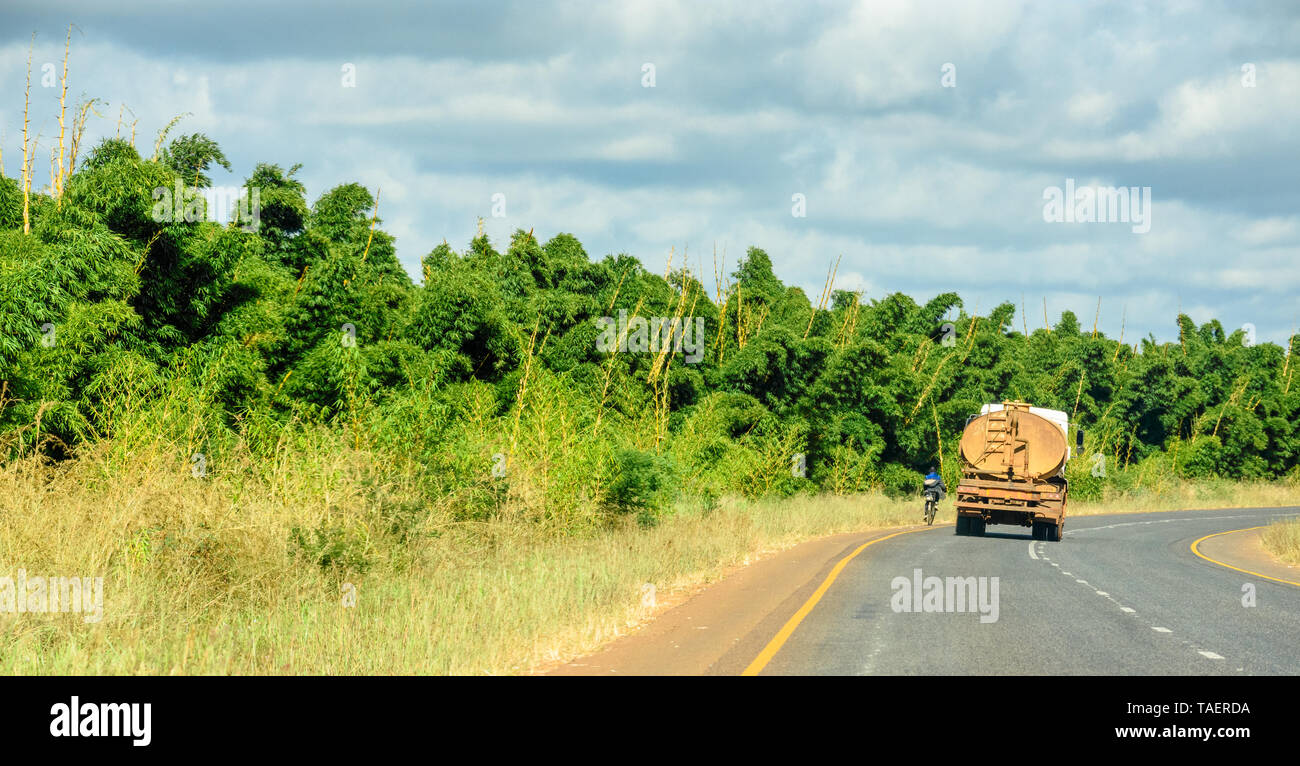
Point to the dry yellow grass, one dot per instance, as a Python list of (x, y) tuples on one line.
[(201, 576), (1190, 495), (1282, 539)]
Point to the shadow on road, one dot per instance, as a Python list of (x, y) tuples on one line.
[(1007, 536)]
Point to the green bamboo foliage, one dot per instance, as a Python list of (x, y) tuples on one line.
[(117, 328)]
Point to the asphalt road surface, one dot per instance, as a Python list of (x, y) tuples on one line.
[(1119, 595)]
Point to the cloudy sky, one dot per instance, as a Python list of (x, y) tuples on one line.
[(921, 188)]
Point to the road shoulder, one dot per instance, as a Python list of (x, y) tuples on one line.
[(1243, 550), (691, 638)]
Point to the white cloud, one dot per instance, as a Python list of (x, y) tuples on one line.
[(922, 189)]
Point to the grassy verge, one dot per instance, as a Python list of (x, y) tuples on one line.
[(248, 570), (1282, 539), (202, 577), (1192, 495)]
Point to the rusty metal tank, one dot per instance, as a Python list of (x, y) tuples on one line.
[(1012, 441)]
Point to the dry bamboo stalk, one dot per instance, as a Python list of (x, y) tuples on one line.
[(78, 130), (662, 405), (1097, 317), (1046, 326), (719, 301), (970, 334), (926, 391), (857, 309), (301, 277), (723, 291), (740, 315), (717, 278), (694, 300), (609, 370), (282, 381), (825, 295), (938, 436), (1231, 401), (1290, 341), (27, 167), (841, 336), (1123, 323), (917, 364), (762, 318), (830, 286), (523, 385), (63, 109), (1180, 326), (664, 349), (813, 315), (162, 134), (1082, 374), (373, 219), (617, 288), (722, 325), (145, 255)]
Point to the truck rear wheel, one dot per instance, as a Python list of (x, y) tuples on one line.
[(963, 525), (1046, 530)]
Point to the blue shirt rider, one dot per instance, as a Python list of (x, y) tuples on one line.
[(934, 474)]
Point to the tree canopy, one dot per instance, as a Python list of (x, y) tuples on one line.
[(308, 316)]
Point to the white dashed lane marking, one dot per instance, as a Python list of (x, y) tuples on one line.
[(1033, 554)]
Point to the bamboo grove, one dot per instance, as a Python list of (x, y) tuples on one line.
[(238, 342)]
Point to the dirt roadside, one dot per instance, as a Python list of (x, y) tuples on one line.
[(711, 632)]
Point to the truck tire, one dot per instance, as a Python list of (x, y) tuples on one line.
[(1036, 530), (1056, 532), (977, 526), (963, 525)]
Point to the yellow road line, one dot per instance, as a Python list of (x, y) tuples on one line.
[(1229, 566), (787, 630)]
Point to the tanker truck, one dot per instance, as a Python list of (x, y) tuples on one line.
[(1013, 458)]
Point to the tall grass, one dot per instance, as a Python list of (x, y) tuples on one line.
[(1185, 494), (246, 570), (1282, 539)]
